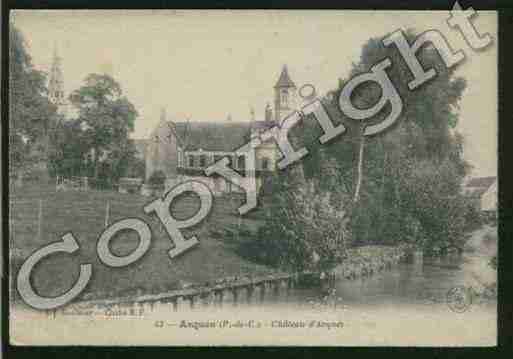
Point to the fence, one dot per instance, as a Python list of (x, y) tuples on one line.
[(71, 183), (238, 291), (43, 220), (35, 222)]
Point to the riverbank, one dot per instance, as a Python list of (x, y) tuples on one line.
[(367, 260), (84, 213)]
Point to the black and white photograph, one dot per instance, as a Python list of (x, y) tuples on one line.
[(253, 178)]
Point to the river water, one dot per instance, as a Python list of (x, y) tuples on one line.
[(411, 284), (404, 306), (407, 305), (423, 282)]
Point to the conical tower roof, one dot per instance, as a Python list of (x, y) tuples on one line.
[(284, 80)]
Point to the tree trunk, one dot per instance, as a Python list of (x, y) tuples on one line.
[(382, 202), (360, 169), (96, 163)]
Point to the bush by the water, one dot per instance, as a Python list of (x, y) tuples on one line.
[(157, 178), (402, 186)]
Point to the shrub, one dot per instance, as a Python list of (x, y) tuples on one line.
[(157, 178), (304, 229)]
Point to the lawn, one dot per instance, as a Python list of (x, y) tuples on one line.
[(83, 213)]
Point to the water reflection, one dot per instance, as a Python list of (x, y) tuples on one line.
[(419, 283)]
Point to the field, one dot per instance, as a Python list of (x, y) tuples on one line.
[(84, 213)]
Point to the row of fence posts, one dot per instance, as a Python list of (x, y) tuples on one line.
[(40, 218), (216, 297), (213, 298), (218, 294)]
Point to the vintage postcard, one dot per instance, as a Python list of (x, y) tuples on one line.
[(306, 178)]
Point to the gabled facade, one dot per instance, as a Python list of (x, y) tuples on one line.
[(182, 150), (483, 192)]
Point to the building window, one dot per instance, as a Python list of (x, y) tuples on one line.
[(265, 163), (202, 160), (284, 98), (241, 162), (191, 161)]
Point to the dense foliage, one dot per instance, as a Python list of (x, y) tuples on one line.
[(30, 112), (157, 178), (411, 174), (96, 144)]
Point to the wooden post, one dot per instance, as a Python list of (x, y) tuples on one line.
[(175, 304), (205, 299), (40, 219), (218, 298), (235, 296), (249, 293), (191, 301), (287, 287), (276, 288), (107, 214), (262, 292)]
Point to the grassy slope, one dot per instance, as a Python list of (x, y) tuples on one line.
[(83, 213)]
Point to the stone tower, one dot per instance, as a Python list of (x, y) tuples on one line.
[(285, 93), (56, 85)]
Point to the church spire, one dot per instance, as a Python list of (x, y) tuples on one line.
[(284, 80), (284, 95), (56, 82)]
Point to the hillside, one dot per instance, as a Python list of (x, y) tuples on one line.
[(83, 213)]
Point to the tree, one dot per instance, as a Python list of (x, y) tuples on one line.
[(408, 179), (69, 154), (30, 111), (305, 228), (157, 178), (106, 118), (401, 186)]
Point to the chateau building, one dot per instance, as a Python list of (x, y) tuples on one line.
[(182, 150)]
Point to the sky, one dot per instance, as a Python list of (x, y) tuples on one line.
[(206, 65)]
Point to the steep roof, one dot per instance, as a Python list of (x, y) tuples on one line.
[(284, 80), (485, 182), (215, 136)]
